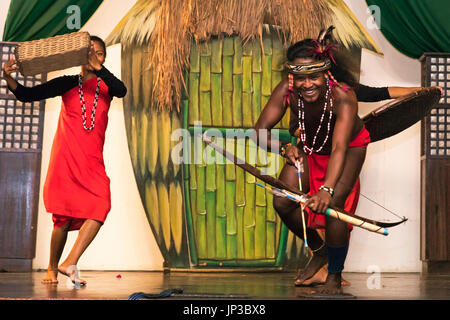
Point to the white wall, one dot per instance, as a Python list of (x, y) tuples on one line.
[(391, 173)]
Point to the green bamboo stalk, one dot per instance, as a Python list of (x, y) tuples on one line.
[(227, 74), (201, 239), (237, 58), (251, 154), (256, 97), (260, 195), (192, 171), (247, 118), (266, 78), (260, 232), (210, 169), (277, 76), (228, 46), (240, 185), (193, 97), (240, 175), (237, 100), (278, 230), (236, 250), (201, 190), (194, 58), (221, 238), (216, 55), (230, 168), (231, 217), (262, 160), (270, 239), (249, 222), (247, 48), (205, 108), (185, 90), (271, 213), (205, 48), (227, 102), (211, 222), (267, 43), (247, 74), (221, 213), (256, 59), (278, 55), (216, 99), (205, 73), (220, 191), (194, 215), (231, 246)]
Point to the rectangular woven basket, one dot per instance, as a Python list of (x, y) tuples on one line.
[(55, 53)]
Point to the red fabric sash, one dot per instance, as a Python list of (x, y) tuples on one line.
[(318, 165)]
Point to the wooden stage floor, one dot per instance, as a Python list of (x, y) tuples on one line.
[(106, 285)]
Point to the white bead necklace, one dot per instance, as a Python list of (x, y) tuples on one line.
[(83, 104), (301, 123)]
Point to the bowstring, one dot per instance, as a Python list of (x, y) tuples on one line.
[(373, 201)]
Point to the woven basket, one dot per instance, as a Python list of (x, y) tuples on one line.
[(55, 53)]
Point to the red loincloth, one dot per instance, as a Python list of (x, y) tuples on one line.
[(77, 187), (318, 165)]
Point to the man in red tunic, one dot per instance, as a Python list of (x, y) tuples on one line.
[(76, 189)]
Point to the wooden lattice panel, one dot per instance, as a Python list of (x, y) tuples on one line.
[(436, 72), (20, 122)]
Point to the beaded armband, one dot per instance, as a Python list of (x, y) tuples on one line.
[(283, 149), (327, 189)]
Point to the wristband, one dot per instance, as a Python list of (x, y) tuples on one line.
[(327, 189), (283, 149)]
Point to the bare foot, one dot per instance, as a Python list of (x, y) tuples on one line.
[(332, 285), (50, 277), (314, 265), (72, 273), (319, 278)]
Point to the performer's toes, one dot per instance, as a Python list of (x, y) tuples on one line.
[(50, 277)]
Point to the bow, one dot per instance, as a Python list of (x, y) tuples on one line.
[(296, 195)]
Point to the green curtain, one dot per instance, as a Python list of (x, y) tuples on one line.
[(415, 26), (38, 19)]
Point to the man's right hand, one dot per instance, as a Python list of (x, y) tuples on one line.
[(292, 154)]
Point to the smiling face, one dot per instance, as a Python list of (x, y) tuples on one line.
[(310, 86)]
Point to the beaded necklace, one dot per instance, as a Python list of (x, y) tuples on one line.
[(301, 123), (83, 104)]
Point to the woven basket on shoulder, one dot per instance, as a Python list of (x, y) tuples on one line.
[(55, 53)]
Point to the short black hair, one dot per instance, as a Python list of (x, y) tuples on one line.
[(301, 49), (99, 40)]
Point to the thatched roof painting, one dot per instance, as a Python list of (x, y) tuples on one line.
[(168, 28)]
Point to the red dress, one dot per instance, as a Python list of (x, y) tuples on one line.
[(77, 187)]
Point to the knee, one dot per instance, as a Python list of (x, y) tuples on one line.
[(340, 196), (282, 206)]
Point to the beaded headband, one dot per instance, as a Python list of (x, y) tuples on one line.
[(308, 68)]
